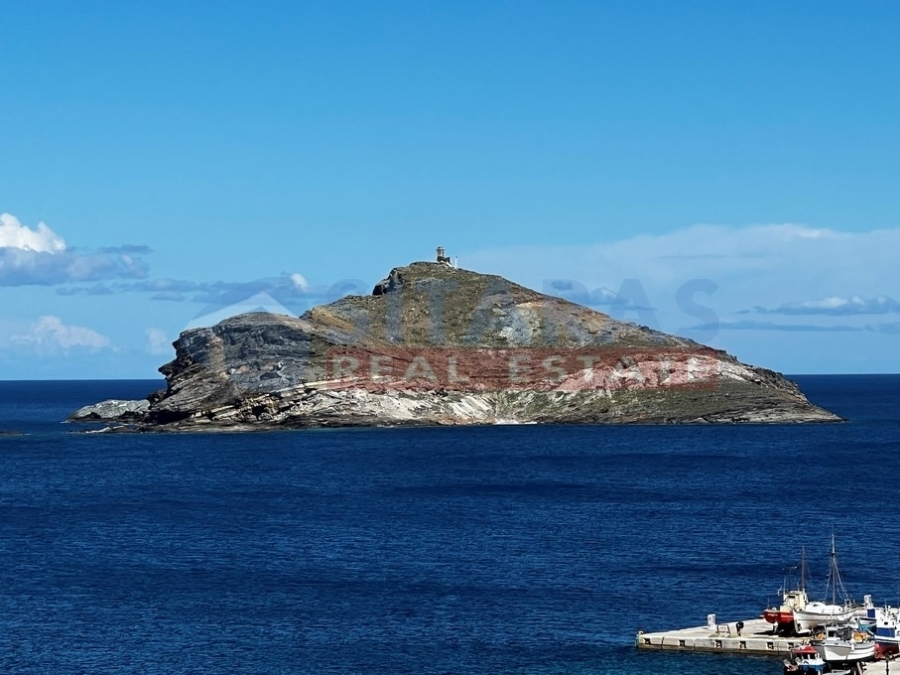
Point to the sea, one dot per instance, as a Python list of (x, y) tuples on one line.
[(506, 549)]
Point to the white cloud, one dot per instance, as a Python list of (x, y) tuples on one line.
[(157, 342), (41, 257), (838, 306), (300, 281), (49, 333), (15, 235)]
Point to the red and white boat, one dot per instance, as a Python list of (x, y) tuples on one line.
[(805, 660), (791, 600)]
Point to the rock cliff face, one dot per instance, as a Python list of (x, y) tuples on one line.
[(438, 345)]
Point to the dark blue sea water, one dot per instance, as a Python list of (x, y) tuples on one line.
[(526, 549)]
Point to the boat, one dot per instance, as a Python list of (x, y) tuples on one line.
[(791, 600), (824, 613), (886, 629), (804, 660), (884, 623), (817, 614), (843, 644)]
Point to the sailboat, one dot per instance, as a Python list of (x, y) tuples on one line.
[(791, 600), (824, 613)]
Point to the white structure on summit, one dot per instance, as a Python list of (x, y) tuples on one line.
[(441, 258)]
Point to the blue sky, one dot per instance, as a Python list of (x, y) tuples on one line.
[(730, 169)]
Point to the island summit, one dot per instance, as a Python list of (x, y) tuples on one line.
[(438, 345)]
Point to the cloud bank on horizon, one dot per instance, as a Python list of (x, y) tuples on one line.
[(837, 306), (49, 335), (778, 269), (796, 268), (41, 257)]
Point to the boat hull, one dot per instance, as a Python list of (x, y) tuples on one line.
[(819, 614), (843, 651), (778, 616), (886, 648), (887, 630), (783, 616), (803, 669), (843, 644)]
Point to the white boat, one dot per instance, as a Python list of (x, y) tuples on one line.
[(820, 614), (843, 644), (824, 613)]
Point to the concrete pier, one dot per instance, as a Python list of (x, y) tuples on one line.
[(886, 667), (755, 638)]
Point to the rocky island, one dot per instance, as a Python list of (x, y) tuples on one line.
[(438, 345)]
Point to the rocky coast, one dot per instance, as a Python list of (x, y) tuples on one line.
[(437, 345)]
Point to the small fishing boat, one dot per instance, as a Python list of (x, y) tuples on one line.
[(792, 599), (804, 660), (886, 629), (843, 644)]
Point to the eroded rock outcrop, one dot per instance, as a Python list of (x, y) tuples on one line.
[(439, 345), (112, 409)]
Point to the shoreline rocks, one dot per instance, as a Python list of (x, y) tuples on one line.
[(112, 409)]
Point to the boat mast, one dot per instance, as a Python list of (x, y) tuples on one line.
[(833, 571), (803, 568), (836, 583)]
